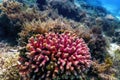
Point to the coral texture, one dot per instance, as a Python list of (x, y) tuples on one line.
[(95, 41), (8, 66), (40, 27), (15, 14), (55, 56), (103, 71)]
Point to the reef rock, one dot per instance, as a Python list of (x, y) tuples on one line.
[(109, 17), (66, 8)]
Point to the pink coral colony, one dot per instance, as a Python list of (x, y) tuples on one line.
[(52, 54)]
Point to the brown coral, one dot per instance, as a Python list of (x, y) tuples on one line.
[(41, 27), (102, 71), (96, 42)]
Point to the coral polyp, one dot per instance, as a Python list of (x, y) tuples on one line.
[(55, 56)]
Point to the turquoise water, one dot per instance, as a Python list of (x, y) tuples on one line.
[(112, 6)]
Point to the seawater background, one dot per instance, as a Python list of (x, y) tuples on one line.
[(113, 6)]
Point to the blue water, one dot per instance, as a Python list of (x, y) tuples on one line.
[(112, 6)]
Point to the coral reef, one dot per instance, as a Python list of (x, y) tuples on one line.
[(65, 42), (87, 13), (65, 8), (8, 9), (116, 37), (98, 44), (110, 27), (116, 61), (15, 14), (18, 11), (54, 56)]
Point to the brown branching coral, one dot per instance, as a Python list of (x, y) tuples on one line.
[(99, 68), (15, 14), (31, 28), (102, 71), (17, 11), (40, 27), (116, 62), (11, 7)]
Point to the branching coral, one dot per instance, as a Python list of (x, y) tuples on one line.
[(11, 7), (41, 27), (8, 67), (17, 11), (103, 71), (15, 14), (54, 56), (116, 61)]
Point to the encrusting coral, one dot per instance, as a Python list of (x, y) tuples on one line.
[(54, 56)]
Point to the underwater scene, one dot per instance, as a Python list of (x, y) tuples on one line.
[(59, 40)]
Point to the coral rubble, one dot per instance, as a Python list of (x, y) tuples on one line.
[(8, 66)]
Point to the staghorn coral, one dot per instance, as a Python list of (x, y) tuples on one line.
[(54, 56)]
